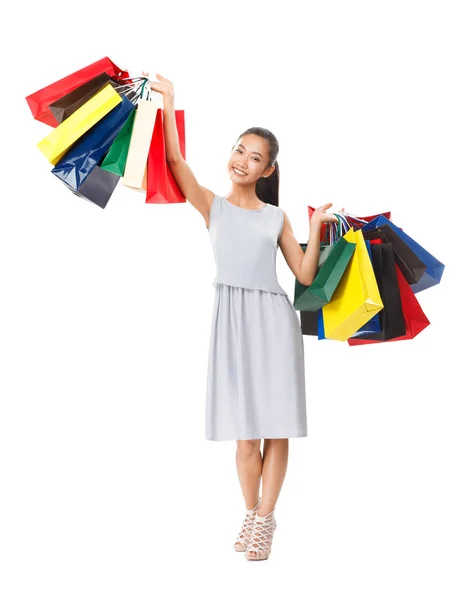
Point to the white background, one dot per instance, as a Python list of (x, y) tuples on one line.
[(109, 488)]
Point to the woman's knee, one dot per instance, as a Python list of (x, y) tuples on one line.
[(276, 443), (247, 448)]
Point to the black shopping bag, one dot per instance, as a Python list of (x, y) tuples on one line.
[(391, 318), (68, 104), (409, 263)]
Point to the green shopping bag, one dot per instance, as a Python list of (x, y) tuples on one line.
[(116, 158), (333, 260)]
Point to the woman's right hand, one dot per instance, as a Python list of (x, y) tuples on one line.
[(163, 85)]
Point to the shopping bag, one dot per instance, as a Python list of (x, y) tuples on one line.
[(391, 317), (309, 322), (55, 145), (356, 299), (312, 323), (411, 266), (68, 104), (370, 327), (414, 317), (39, 101), (321, 331), (324, 251), (135, 173), (434, 268), (83, 156), (374, 324), (161, 185), (116, 158), (98, 187), (333, 261), (357, 222)]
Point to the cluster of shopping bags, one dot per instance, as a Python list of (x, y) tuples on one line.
[(106, 126), (364, 291)]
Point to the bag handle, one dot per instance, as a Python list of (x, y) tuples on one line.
[(143, 90), (328, 233), (345, 225), (334, 231), (351, 217), (150, 94), (127, 89)]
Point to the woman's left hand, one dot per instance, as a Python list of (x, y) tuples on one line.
[(163, 85), (320, 216)]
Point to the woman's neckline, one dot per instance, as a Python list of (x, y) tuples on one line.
[(246, 209)]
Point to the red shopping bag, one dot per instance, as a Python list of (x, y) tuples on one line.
[(323, 226), (161, 185), (415, 318), (40, 100)]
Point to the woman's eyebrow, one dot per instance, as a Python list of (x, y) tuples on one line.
[(253, 152)]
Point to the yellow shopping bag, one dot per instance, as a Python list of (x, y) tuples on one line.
[(135, 174), (59, 140), (357, 296)]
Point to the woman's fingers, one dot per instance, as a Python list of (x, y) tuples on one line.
[(146, 74), (327, 206), (163, 79), (324, 207)]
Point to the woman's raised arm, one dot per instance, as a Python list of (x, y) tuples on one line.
[(200, 197)]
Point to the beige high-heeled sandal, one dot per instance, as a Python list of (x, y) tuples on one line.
[(262, 534), (243, 537)]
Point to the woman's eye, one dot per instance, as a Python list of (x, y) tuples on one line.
[(238, 150)]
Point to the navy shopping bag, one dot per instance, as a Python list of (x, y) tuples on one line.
[(434, 268), (76, 165)]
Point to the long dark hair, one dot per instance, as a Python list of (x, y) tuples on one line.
[(267, 187)]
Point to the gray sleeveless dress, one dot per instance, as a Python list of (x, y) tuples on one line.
[(256, 373)]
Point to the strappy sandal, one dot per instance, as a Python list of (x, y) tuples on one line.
[(262, 534), (243, 537)]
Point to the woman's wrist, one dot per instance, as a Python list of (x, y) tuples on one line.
[(314, 230), (168, 98)]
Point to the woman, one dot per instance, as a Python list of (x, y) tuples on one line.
[(255, 379)]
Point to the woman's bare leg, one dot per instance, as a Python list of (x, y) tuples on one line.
[(249, 467), (274, 468)]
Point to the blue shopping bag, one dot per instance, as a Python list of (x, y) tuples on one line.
[(321, 335), (87, 152), (435, 268)]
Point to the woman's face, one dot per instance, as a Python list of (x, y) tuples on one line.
[(249, 160)]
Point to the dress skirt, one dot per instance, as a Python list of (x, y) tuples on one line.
[(256, 371)]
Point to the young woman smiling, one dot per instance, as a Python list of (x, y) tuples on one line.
[(256, 374)]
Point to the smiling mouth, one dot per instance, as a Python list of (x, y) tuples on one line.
[(238, 172)]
